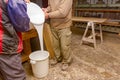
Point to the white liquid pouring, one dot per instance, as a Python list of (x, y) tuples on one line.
[(39, 29), (37, 18)]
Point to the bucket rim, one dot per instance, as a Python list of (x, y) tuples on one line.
[(30, 56)]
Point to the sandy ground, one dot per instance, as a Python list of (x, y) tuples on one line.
[(102, 63)]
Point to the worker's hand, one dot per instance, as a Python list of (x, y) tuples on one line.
[(44, 10), (46, 15), (27, 1)]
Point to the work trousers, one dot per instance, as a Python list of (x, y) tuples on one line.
[(62, 44), (11, 67)]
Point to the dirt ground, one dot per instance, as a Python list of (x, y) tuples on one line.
[(102, 63)]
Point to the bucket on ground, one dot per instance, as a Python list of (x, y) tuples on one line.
[(40, 63)]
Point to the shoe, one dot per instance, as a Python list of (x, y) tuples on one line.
[(53, 62), (65, 66)]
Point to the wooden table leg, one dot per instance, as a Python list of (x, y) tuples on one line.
[(26, 50)]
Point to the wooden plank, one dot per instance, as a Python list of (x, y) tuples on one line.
[(116, 24), (99, 10), (48, 39), (103, 21), (88, 40), (26, 50), (29, 34), (89, 19)]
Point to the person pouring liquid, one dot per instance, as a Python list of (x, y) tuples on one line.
[(10, 47)]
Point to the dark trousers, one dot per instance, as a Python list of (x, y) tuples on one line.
[(11, 67)]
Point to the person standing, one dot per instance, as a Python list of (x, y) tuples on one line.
[(10, 47), (59, 12)]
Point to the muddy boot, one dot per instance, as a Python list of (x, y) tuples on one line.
[(53, 62), (64, 66)]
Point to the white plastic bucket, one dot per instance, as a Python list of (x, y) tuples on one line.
[(35, 13), (40, 63)]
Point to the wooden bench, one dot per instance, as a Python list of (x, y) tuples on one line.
[(26, 36), (88, 19), (112, 23), (90, 23)]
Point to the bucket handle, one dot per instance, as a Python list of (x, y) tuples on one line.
[(32, 62)]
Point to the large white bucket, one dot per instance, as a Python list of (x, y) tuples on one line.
[(40, 63)]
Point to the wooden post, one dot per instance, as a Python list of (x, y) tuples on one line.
[(48, 39)]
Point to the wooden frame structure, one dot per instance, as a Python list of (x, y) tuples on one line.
[(109, 9), (91, 23)]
